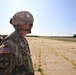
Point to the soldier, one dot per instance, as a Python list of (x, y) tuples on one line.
[(14, 51)]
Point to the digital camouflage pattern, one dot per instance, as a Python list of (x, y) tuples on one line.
[(22, 17), (19, 56)]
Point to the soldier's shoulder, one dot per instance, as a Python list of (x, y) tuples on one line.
[(9, 41), (13, 37), (8, 44)]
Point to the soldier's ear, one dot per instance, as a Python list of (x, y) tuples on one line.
[(10, 21)]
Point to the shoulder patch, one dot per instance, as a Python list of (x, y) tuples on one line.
[(4, 50), (4, 57)]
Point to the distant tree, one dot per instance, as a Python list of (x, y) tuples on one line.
[(74, 35), (0, 38)]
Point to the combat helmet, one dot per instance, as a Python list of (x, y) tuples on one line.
[(22, 17)]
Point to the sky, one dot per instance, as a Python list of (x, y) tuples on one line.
[(51, 17)]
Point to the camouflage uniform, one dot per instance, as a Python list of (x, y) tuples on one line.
[(20, 55)]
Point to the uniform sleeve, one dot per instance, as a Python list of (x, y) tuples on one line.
[(7, 58)]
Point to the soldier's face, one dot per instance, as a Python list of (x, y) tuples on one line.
[(25, 29)]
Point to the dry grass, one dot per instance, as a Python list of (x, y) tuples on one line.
[(53, 57)]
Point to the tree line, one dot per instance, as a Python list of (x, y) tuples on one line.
[(74, 35)]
